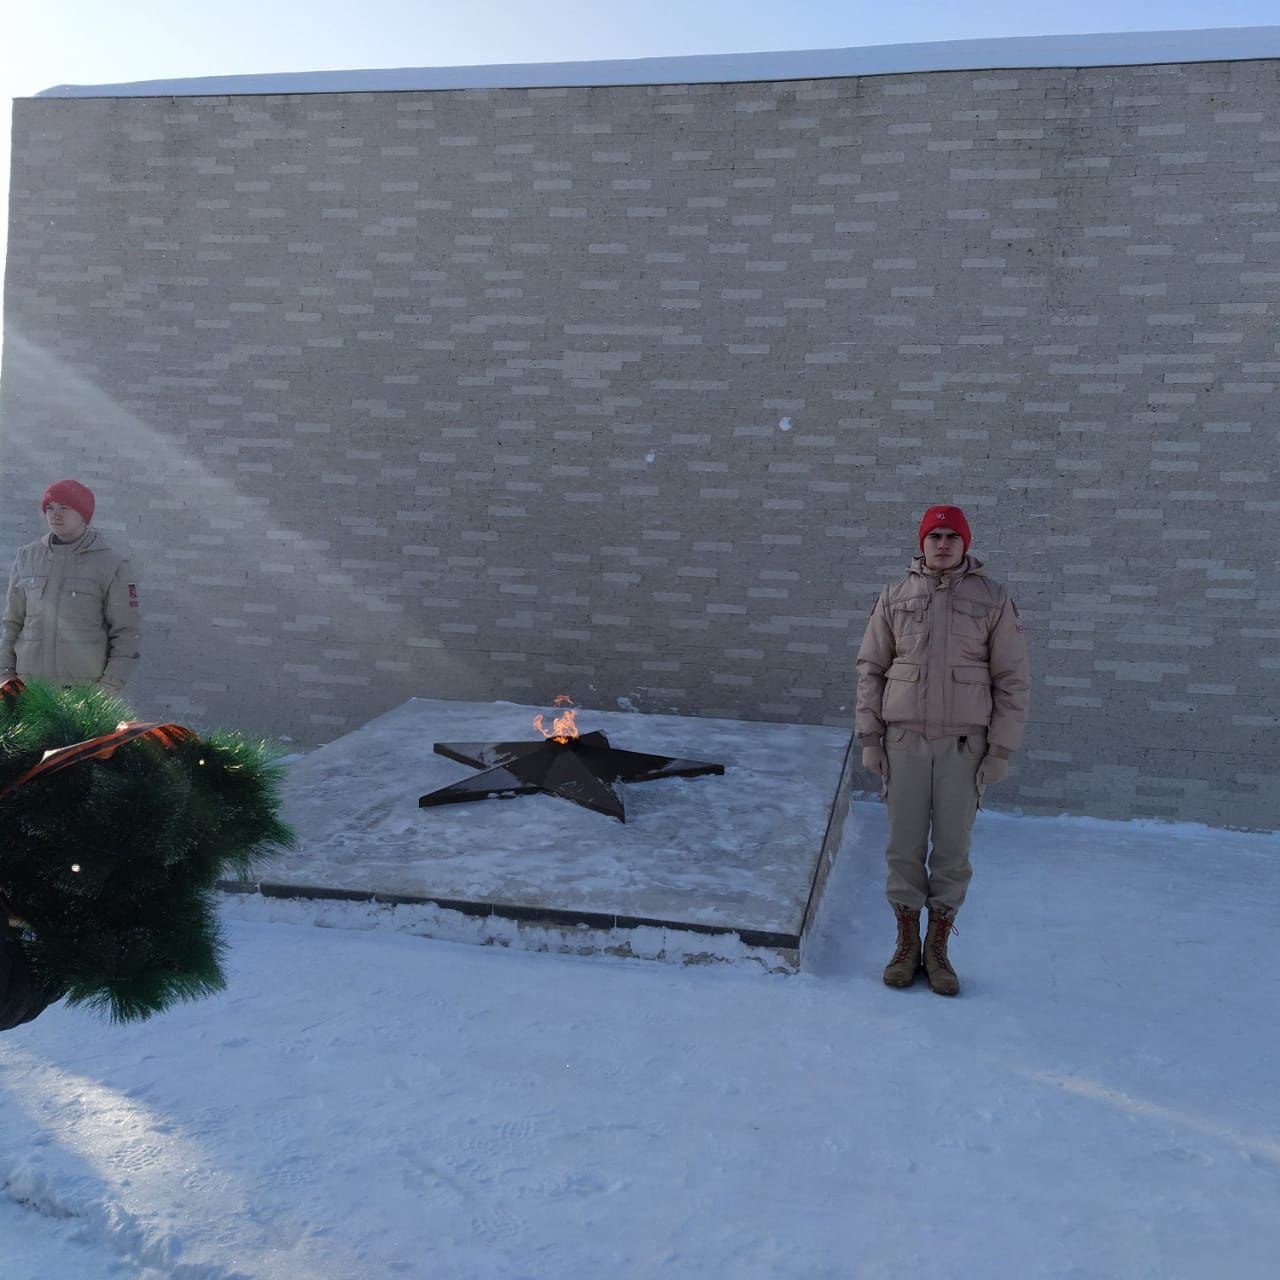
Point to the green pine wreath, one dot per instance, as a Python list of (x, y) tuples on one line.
[(113, 862)]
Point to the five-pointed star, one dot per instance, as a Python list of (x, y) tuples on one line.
[(586, 770)]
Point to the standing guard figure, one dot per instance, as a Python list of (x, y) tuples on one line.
[(943, 691)]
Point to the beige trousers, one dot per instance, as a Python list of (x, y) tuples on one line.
[(931, 785)]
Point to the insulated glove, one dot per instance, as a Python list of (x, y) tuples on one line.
[(875, 759), (992, 769)]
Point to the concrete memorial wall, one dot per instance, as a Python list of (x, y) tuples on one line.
[(637, 393)]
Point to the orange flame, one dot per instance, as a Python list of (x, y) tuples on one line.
[(564, 727)]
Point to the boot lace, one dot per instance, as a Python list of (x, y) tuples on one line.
[(940, 927), (908, 937)]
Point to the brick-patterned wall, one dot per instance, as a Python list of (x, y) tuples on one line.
[(637, 393)]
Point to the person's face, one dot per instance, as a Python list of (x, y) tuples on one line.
[(64, 521), (943, 549)]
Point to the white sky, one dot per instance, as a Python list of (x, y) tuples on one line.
[(61, 41), (91, 41)]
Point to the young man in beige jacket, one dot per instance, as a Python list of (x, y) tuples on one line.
[(943, 691), (71, 615)]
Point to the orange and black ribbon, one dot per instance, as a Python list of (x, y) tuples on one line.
[(169, 736)]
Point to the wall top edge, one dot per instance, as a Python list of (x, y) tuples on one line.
[(1133, 48)]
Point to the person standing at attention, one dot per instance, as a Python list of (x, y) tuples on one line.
[(71, 615), (943, 692)]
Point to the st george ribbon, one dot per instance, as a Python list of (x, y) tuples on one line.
[(584, 769)]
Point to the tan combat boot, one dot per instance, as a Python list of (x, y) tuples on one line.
[(902, 969), (942, 977)]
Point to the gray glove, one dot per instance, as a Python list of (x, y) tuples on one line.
[(992, 769), (876, 760)]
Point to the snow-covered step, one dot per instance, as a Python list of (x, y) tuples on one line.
[(725, 867)]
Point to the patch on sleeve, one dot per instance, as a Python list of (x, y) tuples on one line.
[(133, 595)]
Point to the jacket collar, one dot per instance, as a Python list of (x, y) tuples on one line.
[(970, 566), (85, 542)]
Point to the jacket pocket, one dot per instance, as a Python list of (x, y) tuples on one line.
[(901, 693), (908, 616), (81, 604), (971, 618), (34, 585), (970, 696)]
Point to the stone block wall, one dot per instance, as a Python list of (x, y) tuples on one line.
[(637, 394)]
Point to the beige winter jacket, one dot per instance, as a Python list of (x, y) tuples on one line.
[(71, 615), (944, 654)]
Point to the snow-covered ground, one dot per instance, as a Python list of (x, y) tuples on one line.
[(1101, 1100)]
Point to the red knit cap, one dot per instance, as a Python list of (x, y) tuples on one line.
[(946, 518), (70, 493)]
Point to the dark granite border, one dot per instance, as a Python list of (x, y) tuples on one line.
[(555, 916), (834, 834)]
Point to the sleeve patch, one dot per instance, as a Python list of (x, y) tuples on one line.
[(133, 595)]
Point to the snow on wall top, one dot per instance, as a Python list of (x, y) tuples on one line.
[(1227, 44)]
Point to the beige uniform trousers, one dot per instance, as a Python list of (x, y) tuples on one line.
[(932, 784)]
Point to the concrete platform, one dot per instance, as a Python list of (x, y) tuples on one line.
[(728, 868)]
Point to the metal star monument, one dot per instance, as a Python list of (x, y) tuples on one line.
[(584, 769)]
